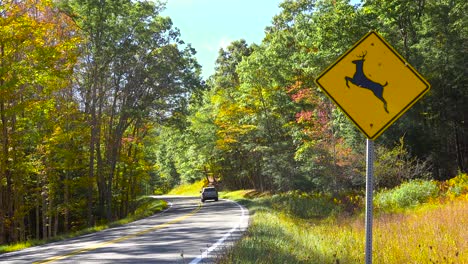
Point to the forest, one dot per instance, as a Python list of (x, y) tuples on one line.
[(103, 102)]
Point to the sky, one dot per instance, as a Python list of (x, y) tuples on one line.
[(209, 25)]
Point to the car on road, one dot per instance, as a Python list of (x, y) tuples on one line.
[(209, 193)]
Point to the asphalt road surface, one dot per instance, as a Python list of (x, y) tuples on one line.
[(187, 232)]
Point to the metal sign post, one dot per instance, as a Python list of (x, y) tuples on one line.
[(369, 197)]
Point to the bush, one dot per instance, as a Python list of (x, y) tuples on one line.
[(394, 166), (305, 205), (406, 195), (189, 189), (147, 206), (457, 186)]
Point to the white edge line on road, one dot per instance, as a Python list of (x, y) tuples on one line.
[(243, 223)]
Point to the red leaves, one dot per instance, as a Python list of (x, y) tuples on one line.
[(304, 116), (315, 116)]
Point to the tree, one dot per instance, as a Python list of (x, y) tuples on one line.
[(431, 36), (134, 73), (37, 54), (78, 116)]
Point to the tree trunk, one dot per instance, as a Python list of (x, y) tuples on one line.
[(101, 166), (89, 196), (44, 213), (3, 170), (56, 222), (66, 200), (4, 157), (38, 222), (22, 232), (459, 149), (113, 152), (50, 215)]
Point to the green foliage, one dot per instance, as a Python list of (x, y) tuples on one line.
[(305, 205), (394, 166), (264, 125), (189, 189), (408, 194), (138, 76), (241, 195), (429, 34), (148, 206), (458, 185), (84, 89), (295, 204), (38, 52)]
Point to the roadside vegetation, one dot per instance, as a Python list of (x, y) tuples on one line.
[(145, 207), (419, 221), (416, 222), (434, 233), (189, 189)]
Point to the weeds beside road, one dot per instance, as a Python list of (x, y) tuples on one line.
[(413, 224)]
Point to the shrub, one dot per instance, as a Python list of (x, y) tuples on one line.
[(305, 205), (189, 189), (457, 185), (147, 206), (394, 166), (406, 195)]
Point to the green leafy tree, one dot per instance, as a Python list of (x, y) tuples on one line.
[(431, 35), (135, 72), (36, 58)]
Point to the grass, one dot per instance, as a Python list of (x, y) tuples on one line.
[(433, 232), (278, 235), (240, 194), (189, 189), (278, 238), (147, 206)]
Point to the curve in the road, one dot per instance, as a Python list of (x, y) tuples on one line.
[(120, 239), (241, 227), (177, 235)]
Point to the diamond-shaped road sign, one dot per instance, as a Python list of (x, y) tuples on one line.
[(372, 84)]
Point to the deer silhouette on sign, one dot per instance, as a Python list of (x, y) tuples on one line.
[(361, 80)]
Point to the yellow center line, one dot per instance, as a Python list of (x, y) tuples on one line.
[(120, 239)]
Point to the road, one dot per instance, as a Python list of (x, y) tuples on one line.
[(187, 232)]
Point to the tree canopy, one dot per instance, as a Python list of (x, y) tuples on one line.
[(265, 125)]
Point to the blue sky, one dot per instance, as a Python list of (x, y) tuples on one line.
[(211, 24)]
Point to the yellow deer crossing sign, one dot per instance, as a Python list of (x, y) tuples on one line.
[(372, 84)]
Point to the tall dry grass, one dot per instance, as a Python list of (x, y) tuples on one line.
[(434, 233)]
